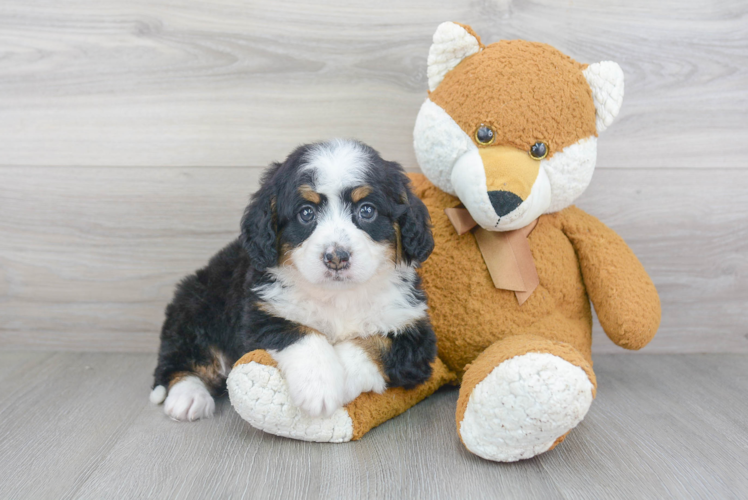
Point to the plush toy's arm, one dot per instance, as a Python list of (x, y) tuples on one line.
[(622, 292)]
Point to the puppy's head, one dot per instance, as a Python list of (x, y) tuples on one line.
[(336, 213)]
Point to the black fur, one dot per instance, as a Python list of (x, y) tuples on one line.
[(408, 362), (393, 194), (216, 309), (418, 243)]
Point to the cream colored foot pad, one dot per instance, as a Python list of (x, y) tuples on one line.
[(260, 396), (524, 405)]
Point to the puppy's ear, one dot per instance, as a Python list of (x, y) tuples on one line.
[(415, 226), (260, 224)]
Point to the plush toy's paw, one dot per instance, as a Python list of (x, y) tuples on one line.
[(261, 396), (524, 406), (189, 399)]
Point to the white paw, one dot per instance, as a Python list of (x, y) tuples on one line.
[(314, 375), (361, 373), (316, 389), (260, 395), (158, 394), (524, 405), (189, 399)]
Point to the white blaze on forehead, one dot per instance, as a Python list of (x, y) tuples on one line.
[(336, 165)]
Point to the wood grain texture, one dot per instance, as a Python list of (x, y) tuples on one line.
[(61, 414), (235, 83), (690, 230), (666, 426), (90, 256)]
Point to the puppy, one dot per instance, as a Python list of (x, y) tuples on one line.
[(323, 277)]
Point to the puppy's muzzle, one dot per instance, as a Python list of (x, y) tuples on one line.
[(336, 258)]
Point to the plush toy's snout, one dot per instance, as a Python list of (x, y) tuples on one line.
[(502, 187), (510, 175)]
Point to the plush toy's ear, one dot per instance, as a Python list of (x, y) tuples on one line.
[(606, 81), (452, 43), (259, 226), (415, 227)]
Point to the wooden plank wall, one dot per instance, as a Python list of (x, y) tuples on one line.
[(132, 132)]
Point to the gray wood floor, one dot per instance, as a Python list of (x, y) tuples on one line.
[(78, 425)]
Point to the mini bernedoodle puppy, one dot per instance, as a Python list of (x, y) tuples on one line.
[(323, 277)]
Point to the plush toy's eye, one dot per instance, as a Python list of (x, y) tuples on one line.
[(484, 135), (538, 151), (307, 214)]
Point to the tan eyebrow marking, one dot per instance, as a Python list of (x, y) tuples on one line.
[(360, 193), (309, 194)]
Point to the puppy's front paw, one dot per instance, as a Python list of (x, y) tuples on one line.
[(190, 400), (362, 374), (314, 375), (316, 389)]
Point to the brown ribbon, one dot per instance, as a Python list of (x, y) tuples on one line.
[(506, 253)]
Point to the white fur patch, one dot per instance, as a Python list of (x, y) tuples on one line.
[(379, 306), (261, 397), (606, 81), (451, 44), (524, 405), (189, 399), (158, 394), (314, 374), (569, 172), (337, 164), (469, 181), (361, 373), (438, 142)]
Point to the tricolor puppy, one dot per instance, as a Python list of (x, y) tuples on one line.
[(323, 277)]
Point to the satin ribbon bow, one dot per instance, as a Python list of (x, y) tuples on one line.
[(506, 253)]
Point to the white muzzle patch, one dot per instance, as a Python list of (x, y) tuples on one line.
[(469, 182)]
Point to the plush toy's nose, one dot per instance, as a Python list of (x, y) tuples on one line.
[(504, 202)]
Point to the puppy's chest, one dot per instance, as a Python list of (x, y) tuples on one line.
[(348, 315)]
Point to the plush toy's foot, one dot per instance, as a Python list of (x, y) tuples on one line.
[(260, 395), (513, 408)]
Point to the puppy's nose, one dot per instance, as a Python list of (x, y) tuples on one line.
[(503, 202), (336, 258)]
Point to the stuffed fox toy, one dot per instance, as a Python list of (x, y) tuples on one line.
[(507, 140)]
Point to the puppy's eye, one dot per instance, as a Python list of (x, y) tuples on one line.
[(484, 135), (367, 211), (538, 151), (307, 214)]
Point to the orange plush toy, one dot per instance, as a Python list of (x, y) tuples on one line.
[(507, 140)]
